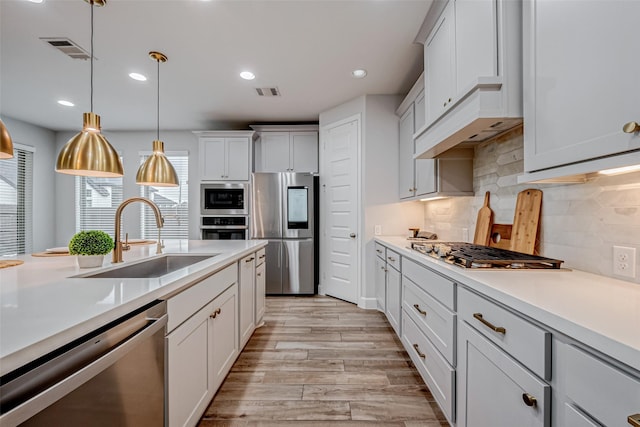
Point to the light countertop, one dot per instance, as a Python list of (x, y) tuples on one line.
[(601, 312), (42, 307)]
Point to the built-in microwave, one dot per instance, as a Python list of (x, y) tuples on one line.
[(230, 198)]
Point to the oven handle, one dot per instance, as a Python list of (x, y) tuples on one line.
[(60, 389), (224, 227)]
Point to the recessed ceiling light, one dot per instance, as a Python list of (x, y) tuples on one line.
[(247, 75), (138, 76), (66, 103), (36, 1), (359, 73)]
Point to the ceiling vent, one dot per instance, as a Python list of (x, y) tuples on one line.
[(67, 46), (268, 91)]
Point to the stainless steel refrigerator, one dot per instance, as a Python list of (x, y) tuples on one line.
[(282, 212)]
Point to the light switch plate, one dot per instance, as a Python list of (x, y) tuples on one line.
[(624, 261), (377, 230)]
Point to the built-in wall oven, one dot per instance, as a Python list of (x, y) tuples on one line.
[(227, 198), (231, 227)]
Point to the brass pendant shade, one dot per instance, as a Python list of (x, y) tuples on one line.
[(157, 170), (89, 153), (6, 143)]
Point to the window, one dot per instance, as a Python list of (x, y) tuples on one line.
[(97, 201), (172, 201), (16, 202)]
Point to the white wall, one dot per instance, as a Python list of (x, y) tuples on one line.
[(44, 202), (129, 144)]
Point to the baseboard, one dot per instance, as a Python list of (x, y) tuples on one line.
[(368, 303)]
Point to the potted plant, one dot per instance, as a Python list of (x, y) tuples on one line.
[(90, 247)]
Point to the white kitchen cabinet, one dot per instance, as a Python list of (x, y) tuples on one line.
[(578, 87), (393, 302), (286, 148), (224, 155), (494, 389), (223, 335), (406, 178), (473, 73), (380, 276), (247, 300), (261, 288)]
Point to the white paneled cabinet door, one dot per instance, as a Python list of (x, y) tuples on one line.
[(426, 176), (237, 156), (212, 159), (580, 84), (304, 152), (189, 383), (381, 278), (275, 151), (439, 65), (494, 389), (406, 178), (223, 335), (246, 266), (393, 304), (260, 292)]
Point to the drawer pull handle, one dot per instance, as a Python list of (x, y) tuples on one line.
[(529, 400), (634, 420), (422, 356), (417, 307), (249, 260), (259, 274), (392, 259), (261, 256), (215, 314), (498, 329), (379, 251)]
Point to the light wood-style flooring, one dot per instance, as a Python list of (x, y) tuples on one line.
[(320, 361)]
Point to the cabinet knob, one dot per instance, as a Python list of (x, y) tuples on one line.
[(529, 400), (352, 235), (631, 127), (634, 420)]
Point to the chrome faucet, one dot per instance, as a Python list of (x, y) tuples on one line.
[(118, 245)]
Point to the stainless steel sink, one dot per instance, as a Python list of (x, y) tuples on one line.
[(155, 267)]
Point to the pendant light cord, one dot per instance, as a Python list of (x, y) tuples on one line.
[(91, 2), (158, 110)]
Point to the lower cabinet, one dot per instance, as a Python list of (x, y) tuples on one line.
[(200, 353), (393, 303), (261, 288), (247, 269), (380, 277)]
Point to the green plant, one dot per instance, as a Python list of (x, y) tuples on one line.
[(90, 242)]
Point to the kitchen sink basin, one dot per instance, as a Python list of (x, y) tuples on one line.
[(155, 267)]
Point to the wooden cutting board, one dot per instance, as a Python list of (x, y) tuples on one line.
[(484, 223), (5, 263), (526, 222)]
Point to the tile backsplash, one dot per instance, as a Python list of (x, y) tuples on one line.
[(580, 222)]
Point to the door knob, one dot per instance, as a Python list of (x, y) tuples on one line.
[(352, 235)]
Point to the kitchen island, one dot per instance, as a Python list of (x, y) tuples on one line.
[(43, 307)]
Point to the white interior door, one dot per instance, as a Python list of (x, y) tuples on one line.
[(340, 207)]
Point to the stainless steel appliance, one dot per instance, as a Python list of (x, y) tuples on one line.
[(235, 227), (228, 198), (111, 377), (469, 255), (282, 212)]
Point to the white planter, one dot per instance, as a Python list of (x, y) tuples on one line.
[(89, 261)]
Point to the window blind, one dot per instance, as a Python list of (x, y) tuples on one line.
[(96, 202), (16, 202), (172, 201)]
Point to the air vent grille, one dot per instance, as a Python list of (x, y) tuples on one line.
[(268, 91), (67, 46)]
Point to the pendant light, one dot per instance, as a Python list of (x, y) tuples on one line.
[(157, 170), (6, 144), (89, 153)]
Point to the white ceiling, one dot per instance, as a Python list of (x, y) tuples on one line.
[(307, 48)]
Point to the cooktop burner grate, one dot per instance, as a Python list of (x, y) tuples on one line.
[(469, 255)]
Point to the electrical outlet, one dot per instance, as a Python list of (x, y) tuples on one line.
[(624, 261), (465, 234), (378, 230)]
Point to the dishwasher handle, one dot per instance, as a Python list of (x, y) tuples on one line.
[(50, 395)]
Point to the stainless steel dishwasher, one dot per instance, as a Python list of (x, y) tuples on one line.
[(111, 377)]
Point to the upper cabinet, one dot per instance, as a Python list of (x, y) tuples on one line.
[(286, 148), (224, 155), (473, 73), (580, 87)]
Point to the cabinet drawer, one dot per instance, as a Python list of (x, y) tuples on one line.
[(432, 318), (439, 287), (526, 342), (261, 256), (602, 391), (381, 251), (393, 259), (574, 418), (434, 369), (186, 303)]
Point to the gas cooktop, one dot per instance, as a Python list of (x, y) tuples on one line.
[(468, 255)]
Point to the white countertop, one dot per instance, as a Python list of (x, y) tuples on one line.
[(42, 307), (601, 312)]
